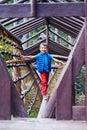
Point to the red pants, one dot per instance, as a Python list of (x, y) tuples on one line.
[(44, 82)]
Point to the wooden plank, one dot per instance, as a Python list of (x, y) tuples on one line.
[(78, 113), (43, 10), (29, 23), (53, 49), (65, 24), (71, 23), (14, 11), (59, 36), (62, 28), (64, 93), (28, 28), (10, 102), (5, 92), (42, 113), (78, 54), (36, 35), (17, 106), (58, 49), (52, 66), (33, 50)]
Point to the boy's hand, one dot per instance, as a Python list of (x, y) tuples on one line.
[(22, 57), (62, 63)]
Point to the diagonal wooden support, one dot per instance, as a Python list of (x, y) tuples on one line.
[(17, 107), (65, 90), (10, 102), (5, 92)]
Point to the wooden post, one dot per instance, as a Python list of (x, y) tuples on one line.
[(47, 31), (17, 107), (5, 92), (10, 102), (33, 8)]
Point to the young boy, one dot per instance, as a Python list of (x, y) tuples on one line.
[(43, 60)]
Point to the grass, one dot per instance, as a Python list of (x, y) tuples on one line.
[(33, 115)]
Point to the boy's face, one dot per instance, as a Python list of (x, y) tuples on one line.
[(43, 48)]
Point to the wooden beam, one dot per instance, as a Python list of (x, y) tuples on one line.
[(17, 106), (78, 54), (64, 93), (43, 10), (72, 23), (64, 102), (9, 35), (28, 28), (59, 36), (27, 23), (56, 48), (5, 92), (54, 23)]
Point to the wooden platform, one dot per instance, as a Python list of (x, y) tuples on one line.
[(42, 124)]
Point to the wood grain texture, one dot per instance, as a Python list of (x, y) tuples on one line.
[(43, 10)]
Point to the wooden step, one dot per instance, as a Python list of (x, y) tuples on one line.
[(41, 124)]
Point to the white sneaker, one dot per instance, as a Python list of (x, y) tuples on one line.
[(46, 97)]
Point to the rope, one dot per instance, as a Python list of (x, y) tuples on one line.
[(9, 53), (16, 65), (33, 101), (21, 77), (10, 43), (25, 92)]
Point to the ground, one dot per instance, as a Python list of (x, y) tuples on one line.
[(41, 124)]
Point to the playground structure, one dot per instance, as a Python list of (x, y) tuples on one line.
[(72, 20)]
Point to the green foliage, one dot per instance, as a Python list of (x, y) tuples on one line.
[(80, 82), (10, 1), (33, 115), (10, 71), (7, 48)]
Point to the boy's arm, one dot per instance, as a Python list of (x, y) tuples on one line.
[(27, 57), (58, 61)]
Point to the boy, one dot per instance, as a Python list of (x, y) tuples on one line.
[(43, 60)]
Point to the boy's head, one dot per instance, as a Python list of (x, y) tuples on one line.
[(43, 47)]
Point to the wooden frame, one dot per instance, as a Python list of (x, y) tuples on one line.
[(45, 10), (42, 10)]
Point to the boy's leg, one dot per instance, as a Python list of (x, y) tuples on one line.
[(44, 82)]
